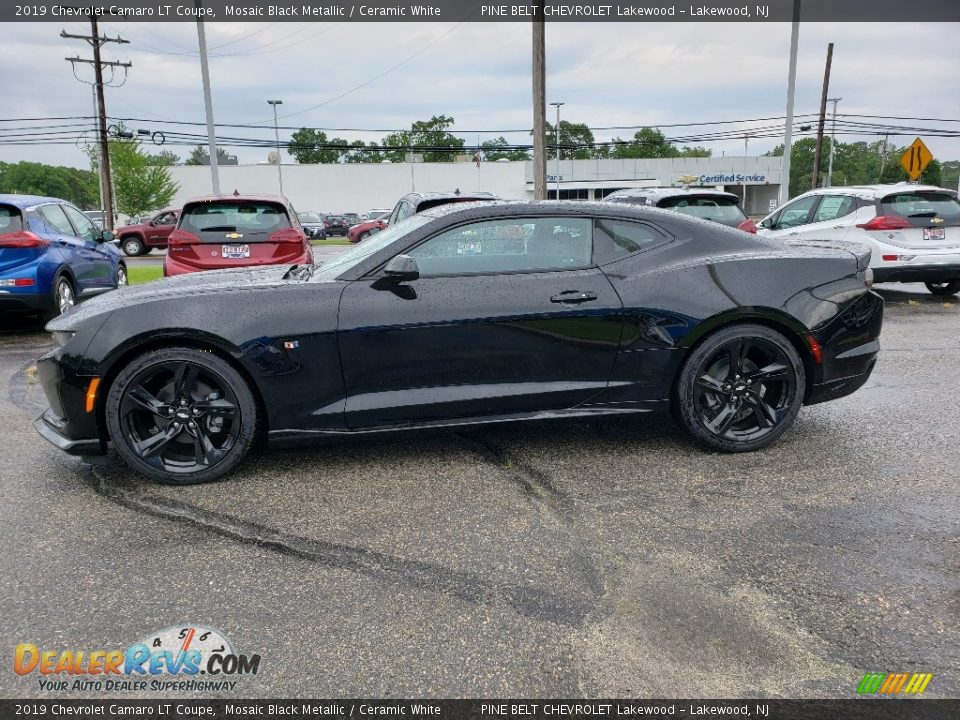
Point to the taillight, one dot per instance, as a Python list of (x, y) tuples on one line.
[(181, 237), (748, 225), (287, 235), (22, 239), (885, 222), (18, 282)]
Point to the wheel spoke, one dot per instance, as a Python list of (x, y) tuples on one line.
[(143, 398), (762, 410), (151, 446), (737, 350), (204, 451), (184, 379), (220, 407), (722, 421), (710, 383), (773, 371)]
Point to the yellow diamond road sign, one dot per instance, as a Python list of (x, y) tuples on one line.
[(916, 158)]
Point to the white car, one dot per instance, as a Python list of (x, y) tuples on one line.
[(913, 230)]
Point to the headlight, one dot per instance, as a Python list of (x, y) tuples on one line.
[(868, 279), (61, 337)]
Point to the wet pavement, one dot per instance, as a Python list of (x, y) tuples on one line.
[(602, 557)]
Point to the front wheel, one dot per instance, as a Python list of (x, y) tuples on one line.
[(363, 236), (132, 246), (121, 278), (181, 416), (947, 288), (740, 389)]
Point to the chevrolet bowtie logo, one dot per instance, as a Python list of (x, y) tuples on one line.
[(234, 235), (936, 221)]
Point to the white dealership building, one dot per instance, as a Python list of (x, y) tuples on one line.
[(361, 187)]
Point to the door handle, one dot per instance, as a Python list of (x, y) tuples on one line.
[(573, 297), (793, 234)]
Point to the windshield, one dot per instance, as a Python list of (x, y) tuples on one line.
[(10, 219), (709, 207), (921, 207), (309, 217), (360, 252)]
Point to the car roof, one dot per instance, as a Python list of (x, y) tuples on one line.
[(26, 201), (233, 196), (558, 208), (449, 195), (660, 193), (877, 190)]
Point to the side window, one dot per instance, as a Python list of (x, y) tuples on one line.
[(84, 225), (165, 219), (834, 206), (395, 216), (796, 214), (509, 245), (614, 239), (56, 220)]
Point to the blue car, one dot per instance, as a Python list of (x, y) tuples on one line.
[(52, 256)]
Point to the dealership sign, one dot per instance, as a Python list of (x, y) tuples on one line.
[(724, 178)]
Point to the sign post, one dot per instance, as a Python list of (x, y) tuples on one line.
[(916, 159)]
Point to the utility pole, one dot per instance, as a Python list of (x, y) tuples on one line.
[(539, 106), (791, 91), (833, 142), (557, 138), (815, 182), (208, 102), (276, 134), (97, 41)]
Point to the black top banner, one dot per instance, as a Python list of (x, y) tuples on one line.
[(861, 709), (649, 11)]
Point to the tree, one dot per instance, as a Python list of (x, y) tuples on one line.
[(31, 178), (576, 142), (950, 173), (360, 153), (498, 150), (395, 146), (437, 142), (312, 147), (200, 156), (651, 143), (165, 158), (139, 184)]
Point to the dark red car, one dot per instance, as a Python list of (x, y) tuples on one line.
[(228, 231), (362, 230), (139, 239)]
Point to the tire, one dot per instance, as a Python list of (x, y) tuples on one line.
[(363, 236), (947, 288), (739, 389), (64, 297), (181, 416), (121, 277), (132, 246)]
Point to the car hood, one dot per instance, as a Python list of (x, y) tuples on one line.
[(179, 286)]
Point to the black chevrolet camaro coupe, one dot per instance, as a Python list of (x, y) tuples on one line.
[(465, 314)]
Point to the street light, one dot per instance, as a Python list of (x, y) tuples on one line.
[(833, 142), (557, 134), (276, 133)]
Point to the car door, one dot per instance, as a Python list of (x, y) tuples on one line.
[(507, 316), (790, 219), (76, 255), (102, 274), (830, 219), (159, 229)]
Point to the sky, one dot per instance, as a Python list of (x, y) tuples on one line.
[(383, 77)]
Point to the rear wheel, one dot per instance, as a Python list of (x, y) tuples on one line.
[(363, 236), (132, 246), (944, 288), (181, 416), (122, 280), (740, 389), (64, 297)]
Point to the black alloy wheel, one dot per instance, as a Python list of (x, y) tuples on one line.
[(944, 288), (181, 416), (740, 389)]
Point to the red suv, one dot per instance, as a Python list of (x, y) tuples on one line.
[(228, 231), (139, 239)]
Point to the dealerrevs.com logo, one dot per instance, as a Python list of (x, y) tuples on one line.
[(185, 658)]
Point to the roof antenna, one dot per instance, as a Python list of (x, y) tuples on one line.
[(457, 191), (236, 193)]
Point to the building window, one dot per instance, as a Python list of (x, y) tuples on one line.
[(601, 193), (582, 194)]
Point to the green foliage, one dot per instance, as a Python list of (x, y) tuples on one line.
[(856, 163), (434, 133), (494, 150), (313, 147), (200, 156), (31, 178), (651, 143), (164, 158), (139, 184), (576, 142)]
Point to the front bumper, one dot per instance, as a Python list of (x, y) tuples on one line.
[(51, 427)]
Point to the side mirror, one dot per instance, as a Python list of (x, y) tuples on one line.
[(106, 236), (402, 268)]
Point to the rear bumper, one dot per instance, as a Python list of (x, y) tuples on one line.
[(25, 302), (928, 272), (173, 267)]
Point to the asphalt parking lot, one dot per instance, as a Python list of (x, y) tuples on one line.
[(577, 558)]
